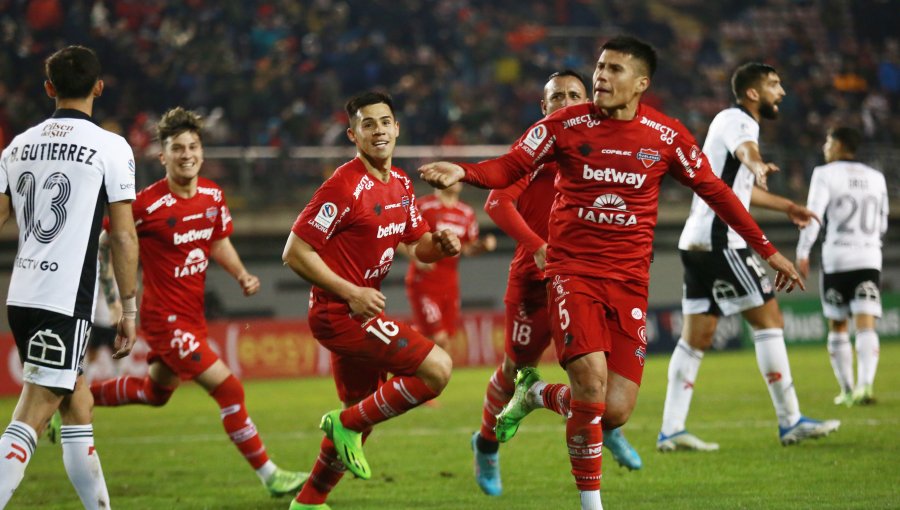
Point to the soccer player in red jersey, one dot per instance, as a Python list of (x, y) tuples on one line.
[(612, 155), (344, 242), (182, 221), (433, 289), (523, 211)]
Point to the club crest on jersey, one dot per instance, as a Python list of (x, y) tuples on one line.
[(535, 137), (648, 157), (211, 213), (325, 217)]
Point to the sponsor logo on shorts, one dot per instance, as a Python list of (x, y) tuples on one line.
[(637, 314), (867, 291), (641, 353), (46, 347), (833, 297), (642, 334)]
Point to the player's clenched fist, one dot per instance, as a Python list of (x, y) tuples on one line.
[(446, 243), (249, 284), (366, 302), (441, 174)]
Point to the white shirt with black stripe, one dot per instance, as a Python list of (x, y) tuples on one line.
[(851, 198), (60, 175), (704, 231)]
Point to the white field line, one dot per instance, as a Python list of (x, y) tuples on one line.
[(462, 431)]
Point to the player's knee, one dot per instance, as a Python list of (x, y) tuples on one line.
[(229, 392), (157, 395), (436, 369), (615, 417)]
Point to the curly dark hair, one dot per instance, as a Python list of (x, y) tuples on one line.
[(176, 121)]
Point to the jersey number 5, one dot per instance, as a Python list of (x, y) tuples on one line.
[(27, 188)]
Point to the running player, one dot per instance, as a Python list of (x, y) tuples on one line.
[(58, 177), (612, 155), (723, 277), (183, 221), (852, 199), (344, 242), (522, 211), (433, 289)]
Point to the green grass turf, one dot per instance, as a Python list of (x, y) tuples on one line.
[(179, 458)]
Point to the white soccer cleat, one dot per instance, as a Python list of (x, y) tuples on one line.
[(683, 440), (807, 428)]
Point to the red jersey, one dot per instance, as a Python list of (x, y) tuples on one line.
[(175, 238), (523, 212), (459, 219), (610, 171), (355, 222)]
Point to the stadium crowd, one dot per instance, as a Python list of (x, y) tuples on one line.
[(275, 72)]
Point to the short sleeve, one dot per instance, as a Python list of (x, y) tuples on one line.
[(739, 128), (224, 225), (322, 216), (416, 226), (118, 172), (4, 176)]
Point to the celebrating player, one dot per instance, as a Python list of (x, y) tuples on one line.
[(57, 176), (722, 276), (522, 211), (852, 198), (343, 242), (612, 155), (183, 221), (433, 289)]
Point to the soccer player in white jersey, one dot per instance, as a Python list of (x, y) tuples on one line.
[(852, 198), (723, 277), (58, 177)]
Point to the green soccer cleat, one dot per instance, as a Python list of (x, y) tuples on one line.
[(284, 482), (863, 395), (844, 399), (348, 444), (518, 407), (54, 428), (303, 506)]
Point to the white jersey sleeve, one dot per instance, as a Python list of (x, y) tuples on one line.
[(118, 171), (4, 177), (816, 201)]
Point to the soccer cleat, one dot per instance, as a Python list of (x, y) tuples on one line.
[(54, 428), (284, 482), (487, 470), (844, 399), (348, 444), (683, 440), (806, 428), (305, 506), (621, 449), (518, 407), (862, 395)]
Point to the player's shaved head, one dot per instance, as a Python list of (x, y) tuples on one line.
[(177, 121), (639, 50), (73, 71)]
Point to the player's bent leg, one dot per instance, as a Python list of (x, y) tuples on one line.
[(154, 389), (621, 396), (520, 405), (80, 457), (347, 444), (584, 428), (485, 447)]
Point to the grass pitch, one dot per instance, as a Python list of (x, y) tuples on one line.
[(178, 457)]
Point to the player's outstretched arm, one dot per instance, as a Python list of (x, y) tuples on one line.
[(224, 253), (802, 267), (434, 246), (748, 153), (484, 244), (441, 174), (124, 247), (306, 262), (801, 216), (786, 275)]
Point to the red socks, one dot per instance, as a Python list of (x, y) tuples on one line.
[(584, 437), (237, 423), (130, 390), (393, 398), (498, 394), (556, 398), (326, 473)]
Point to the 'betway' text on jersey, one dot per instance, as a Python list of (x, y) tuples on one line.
[(60, 175)]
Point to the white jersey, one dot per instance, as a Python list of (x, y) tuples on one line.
[(60, 175), (851, 198), (704, 231)]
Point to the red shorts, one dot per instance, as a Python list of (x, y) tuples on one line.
[(527, 322), (593, 315), (434, 311), (182, 347), (362, 353)]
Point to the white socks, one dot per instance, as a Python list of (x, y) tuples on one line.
[(841, 354), (17, 445), (867, 346), (83, 466), (266, 471), (771, 356), (590, 500), (535, 397), (683, 368)]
